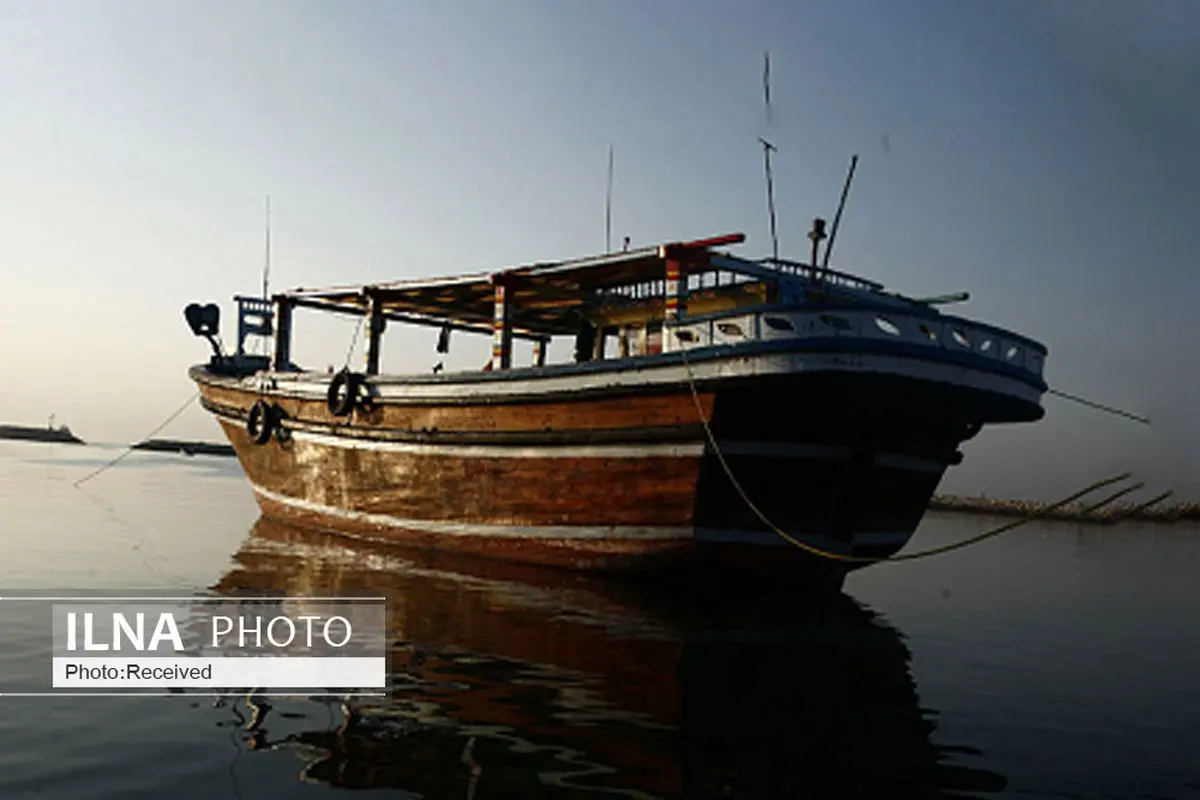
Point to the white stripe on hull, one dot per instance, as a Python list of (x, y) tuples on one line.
[(399, 389), (648, 533), (650, 450), (579, 532)]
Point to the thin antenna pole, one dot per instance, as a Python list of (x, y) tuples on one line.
[(767, 148), (837, 218), (767, 82), (266, 280), (608, 204)]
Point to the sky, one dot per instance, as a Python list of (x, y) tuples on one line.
[(1040, 155)]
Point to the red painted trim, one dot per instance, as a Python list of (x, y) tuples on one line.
[(715, 241)]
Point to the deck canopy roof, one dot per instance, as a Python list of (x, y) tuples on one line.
[(544, 299)]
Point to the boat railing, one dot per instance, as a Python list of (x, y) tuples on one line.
[(917, 331), (255, 318), (831, 276)]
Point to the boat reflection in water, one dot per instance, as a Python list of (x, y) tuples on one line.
[(511, 680)]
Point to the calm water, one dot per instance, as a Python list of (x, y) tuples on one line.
[(1053, 662)]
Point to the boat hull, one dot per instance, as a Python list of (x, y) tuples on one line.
[(623, 478)]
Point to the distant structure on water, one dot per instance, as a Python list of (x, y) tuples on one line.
[(62, 434), (185, 447)]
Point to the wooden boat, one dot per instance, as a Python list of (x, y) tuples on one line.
[(713, 401)]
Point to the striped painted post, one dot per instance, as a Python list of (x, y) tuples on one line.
[(672, 302), (673, 290), (502, 338)]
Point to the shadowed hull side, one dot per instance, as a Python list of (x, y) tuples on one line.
[(473, 506), (618, 483)]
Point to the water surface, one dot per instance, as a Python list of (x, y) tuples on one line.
[(1056, 661)]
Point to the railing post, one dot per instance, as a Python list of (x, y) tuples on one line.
[(673, 293), (241, 334), (282, 350), (376, 323), (539, 353)]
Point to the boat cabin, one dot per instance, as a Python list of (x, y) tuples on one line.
[(614, 306)]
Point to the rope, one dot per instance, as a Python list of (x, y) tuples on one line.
[(353, 341), (133, 447), (872, 559), (1099, 406)]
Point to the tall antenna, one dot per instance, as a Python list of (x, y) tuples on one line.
[(837, 218), (767, 82), (608, 205), (266, 280), (768, 148)]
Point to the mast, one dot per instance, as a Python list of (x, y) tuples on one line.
[(266, 277), (768, 148), (608, 204), (837, 218)]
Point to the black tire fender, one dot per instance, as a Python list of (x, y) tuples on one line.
[(261, 422), (340, 403)]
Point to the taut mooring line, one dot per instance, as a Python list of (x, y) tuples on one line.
[(988, 534), (1099, 406), (133, 446)]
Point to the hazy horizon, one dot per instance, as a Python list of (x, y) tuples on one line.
[(1040, 155)]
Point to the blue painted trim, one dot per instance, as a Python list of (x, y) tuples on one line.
[(832, 344), (1030, 343), (917, 311)]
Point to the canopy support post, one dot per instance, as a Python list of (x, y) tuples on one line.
[(502, 338), (673, 293), (376, 323), (282, 349)]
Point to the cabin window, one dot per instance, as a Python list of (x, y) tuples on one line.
[(685, 336), (585, 343), (779, 324), (887, 326), (960, 336), (730, 329), (630, 341), (1012, 353), (925, 329)]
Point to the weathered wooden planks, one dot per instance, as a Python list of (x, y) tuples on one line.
[(617, 482)]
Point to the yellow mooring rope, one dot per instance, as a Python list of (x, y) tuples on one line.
[(871, 559)]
